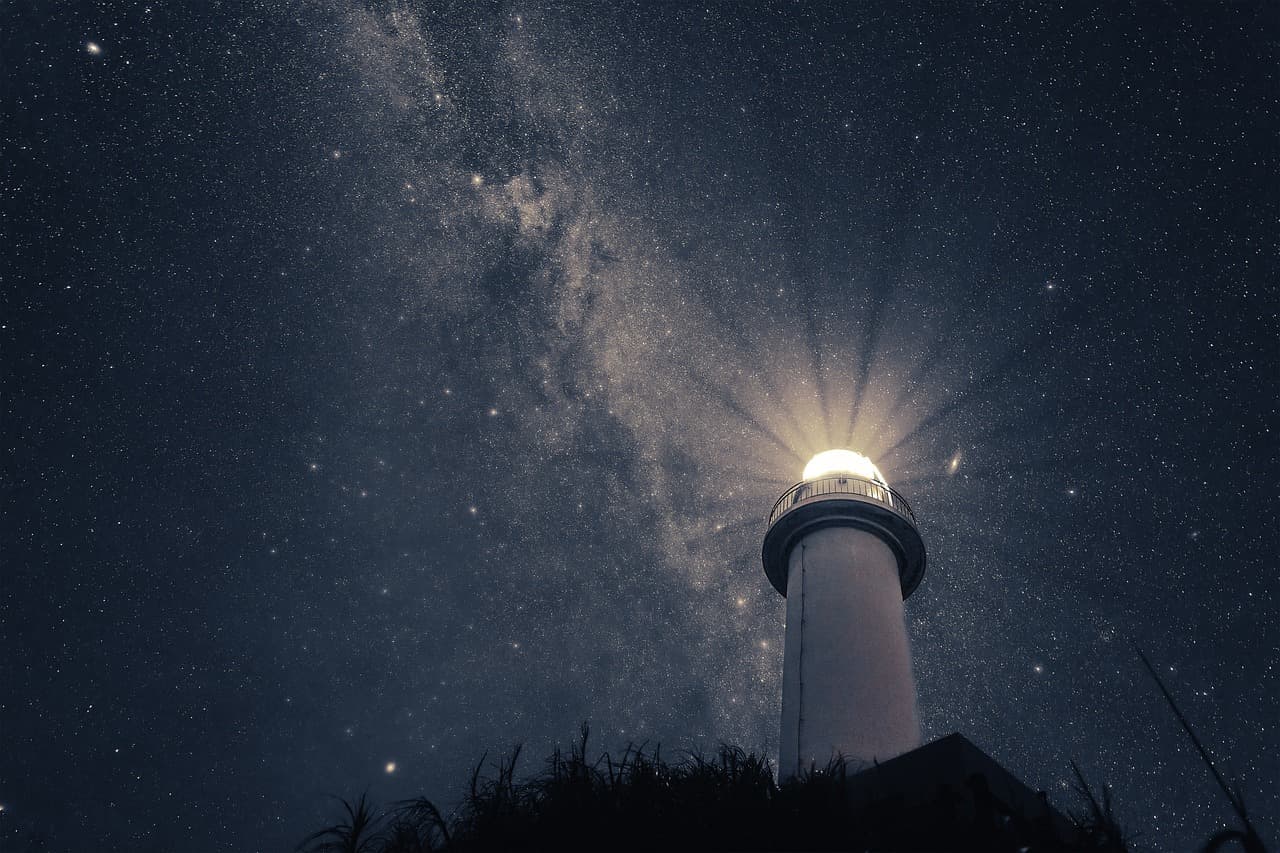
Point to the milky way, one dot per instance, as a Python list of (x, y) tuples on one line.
[(390, 384)]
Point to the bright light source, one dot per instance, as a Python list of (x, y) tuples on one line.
[(842, 462)]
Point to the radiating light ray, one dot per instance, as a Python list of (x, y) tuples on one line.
[(974, 390), (745, 353), (724, 470), (863, 378), (815, 358), (881, 296), (722, 396), (938, 347), (1032, 343)]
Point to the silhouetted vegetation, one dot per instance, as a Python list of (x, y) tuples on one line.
[(731, 801), (727, 801), (1098, 825)]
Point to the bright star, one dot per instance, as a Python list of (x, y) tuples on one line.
[(93, 48)]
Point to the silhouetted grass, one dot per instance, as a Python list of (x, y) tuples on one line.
[(726, 801), (1098, 825)]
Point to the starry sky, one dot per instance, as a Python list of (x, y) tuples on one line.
[(385, 384)]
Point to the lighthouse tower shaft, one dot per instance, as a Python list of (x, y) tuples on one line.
[(847, 687), (846, 553)]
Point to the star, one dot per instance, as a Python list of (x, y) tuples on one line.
[(391, 767), (93, 48)]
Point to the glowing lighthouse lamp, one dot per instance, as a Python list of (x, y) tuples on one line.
[(844, 549)]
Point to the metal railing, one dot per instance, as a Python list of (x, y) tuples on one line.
[(849, 485)]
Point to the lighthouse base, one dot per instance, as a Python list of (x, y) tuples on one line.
[(955, 784)]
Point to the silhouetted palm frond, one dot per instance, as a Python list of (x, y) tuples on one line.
[(417, 827), (357, 833)]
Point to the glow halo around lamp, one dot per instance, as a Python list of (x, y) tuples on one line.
[(843, 462)]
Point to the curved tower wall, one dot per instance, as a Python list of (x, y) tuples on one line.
[(847, 686)]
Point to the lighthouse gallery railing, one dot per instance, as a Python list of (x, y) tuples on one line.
[(841, 486)]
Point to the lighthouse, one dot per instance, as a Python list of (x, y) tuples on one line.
[(843, 548)]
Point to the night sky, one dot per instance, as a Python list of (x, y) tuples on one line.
[(388, 384)]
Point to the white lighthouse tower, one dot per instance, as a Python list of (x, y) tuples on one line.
[(844, 549)]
